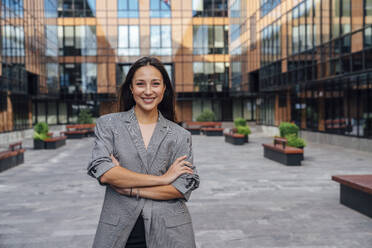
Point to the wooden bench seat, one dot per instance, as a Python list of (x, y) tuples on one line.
[(288, 155), (195, 127), (212, 131), (12, 157), (77, 131), (55, 142), (235, 138), (356, 192)]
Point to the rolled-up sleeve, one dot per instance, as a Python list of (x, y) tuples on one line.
[(103, 147), (186, 183)]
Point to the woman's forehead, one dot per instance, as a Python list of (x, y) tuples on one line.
[(148, 71)]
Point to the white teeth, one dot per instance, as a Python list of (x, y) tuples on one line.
[(148, 100)]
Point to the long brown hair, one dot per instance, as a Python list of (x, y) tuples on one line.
[(166, 106)]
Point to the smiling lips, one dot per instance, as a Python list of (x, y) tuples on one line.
[(148, 99)]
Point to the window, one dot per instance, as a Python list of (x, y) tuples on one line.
[(368, 21), (51, 39), (160, 8), (234, 32), (50, 8), (12, 8), (121, 72), (78, 78), (128, 8), (253, 32), (13, 41), (52, 77), (128, 41), (267, 6), (236, 75), (235, 9), (161, 40), (76, 8), (77, 40), (210, 76), (209, 8), (209, 39)]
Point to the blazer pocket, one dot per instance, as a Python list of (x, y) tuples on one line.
[(177, 220), (110, 219)]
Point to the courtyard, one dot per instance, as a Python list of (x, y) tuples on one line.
[(244, 199)]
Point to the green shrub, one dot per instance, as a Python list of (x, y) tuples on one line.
[(40, 136), (206, 115), (41, 131), (287, 128), (240, 122), (295, 141), (244, 130), (41, 127), (85, 117)]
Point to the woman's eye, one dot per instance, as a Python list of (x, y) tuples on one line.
[(156, 83), (139, 83)]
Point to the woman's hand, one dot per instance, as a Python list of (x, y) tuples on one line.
[(122, 191), (179, 167), (114, 160)]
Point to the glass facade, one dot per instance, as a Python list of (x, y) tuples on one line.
[(209, 8), (77, 40), (210, 39), (210, 77), (160, 8), (75, 8), (161, 40), (128, 41), (128, 8)]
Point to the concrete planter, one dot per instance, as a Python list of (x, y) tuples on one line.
[(39, 144)]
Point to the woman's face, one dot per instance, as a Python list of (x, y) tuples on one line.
[(147, 87)]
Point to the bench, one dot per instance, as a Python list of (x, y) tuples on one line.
[(212, 131), (280, 141), (78, 131), (235, 138), (195, 127), (283, 154), (12, 157), (55, 142), (356, 192)]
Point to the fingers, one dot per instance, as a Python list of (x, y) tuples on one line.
[(180, 158)]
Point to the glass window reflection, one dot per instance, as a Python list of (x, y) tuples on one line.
[(128, 8), (160, 8), (128, 41), (78, 78), (161, 40)]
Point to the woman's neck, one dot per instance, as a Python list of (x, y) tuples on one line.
[(146, 117)]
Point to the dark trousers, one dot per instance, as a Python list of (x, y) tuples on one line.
[(137, 236)]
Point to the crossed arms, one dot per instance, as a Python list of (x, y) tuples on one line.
[(130, 183)]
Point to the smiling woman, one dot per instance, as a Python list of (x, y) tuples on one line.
[(145, 160)]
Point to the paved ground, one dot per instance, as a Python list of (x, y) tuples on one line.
[(244, 200)]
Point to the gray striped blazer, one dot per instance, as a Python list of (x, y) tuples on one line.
[(167, 223)]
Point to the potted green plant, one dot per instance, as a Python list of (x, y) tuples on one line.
[(206, 115), (295, 141), (245, 130), (40, 134), (85, 117), (286, 128)]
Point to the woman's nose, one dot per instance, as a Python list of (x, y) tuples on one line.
[(148, 89)]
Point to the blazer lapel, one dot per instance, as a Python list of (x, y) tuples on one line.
[(134, 130), (161, 130)]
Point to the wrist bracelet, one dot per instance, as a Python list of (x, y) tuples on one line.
[(130, 194), (137, 195)]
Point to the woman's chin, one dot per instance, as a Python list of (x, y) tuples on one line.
[(147, 107)]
